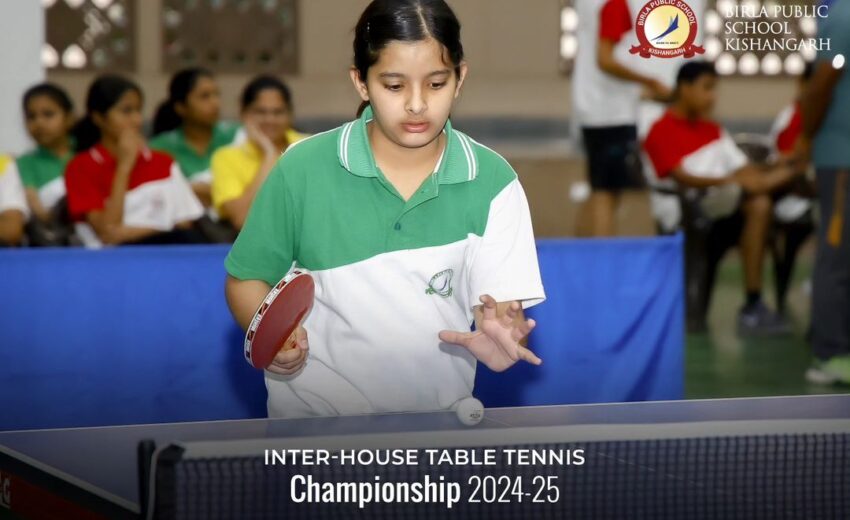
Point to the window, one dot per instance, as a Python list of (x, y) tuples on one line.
[(569, 39), (89, 35), (213, 34)]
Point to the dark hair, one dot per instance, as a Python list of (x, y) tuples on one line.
[(103, 93), (252, 90), (693, 70), (56, 94), (384, 21), (179, 88)]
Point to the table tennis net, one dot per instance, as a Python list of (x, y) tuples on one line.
[(804, 476)]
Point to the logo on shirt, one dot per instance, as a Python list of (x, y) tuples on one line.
[(666, 29), (441, 283)]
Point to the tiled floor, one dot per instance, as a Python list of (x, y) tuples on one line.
[(721, 364)]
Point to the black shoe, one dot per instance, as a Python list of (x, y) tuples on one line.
[(758, 320)]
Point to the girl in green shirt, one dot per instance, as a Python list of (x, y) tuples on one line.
[(187, 127), (48, 112)]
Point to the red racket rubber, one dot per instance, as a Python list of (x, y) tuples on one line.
[(278, 316)]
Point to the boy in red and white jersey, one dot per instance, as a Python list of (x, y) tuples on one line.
[(696, 152)]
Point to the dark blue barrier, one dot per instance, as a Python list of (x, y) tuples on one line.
[(143, 335)]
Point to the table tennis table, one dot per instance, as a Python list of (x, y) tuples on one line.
[(783, 457)]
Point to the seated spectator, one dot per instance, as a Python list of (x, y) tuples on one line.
[(785, 135), (687, 146), (13, 203), (48, 113), (118, 190), (240, 170), (788, 126), (187, 127)]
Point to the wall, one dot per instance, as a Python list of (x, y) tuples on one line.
[(512, 48), (21, 22)]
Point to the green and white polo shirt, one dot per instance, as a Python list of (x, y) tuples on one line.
[(390, 274), (43, 171), (195, 166)]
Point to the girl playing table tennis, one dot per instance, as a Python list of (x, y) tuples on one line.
[(410, 229)]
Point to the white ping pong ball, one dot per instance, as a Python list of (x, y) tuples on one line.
[(470, 411)]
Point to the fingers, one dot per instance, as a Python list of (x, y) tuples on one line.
[(290, 357), (300, 336), (511, 313), (288, 362), (456, 338), (523, 329), (489, 308), (527, 355), (275, 369)]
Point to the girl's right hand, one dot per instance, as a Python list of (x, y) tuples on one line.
[(292, 355), (261, 140), (129, 146)]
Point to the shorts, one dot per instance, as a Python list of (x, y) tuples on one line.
[(613, 158)]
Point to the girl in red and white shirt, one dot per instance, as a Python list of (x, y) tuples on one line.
[(119, 191)]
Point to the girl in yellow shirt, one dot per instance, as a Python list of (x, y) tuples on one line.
[(238, 171)]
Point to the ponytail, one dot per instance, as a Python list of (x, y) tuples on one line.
[(86, 134), (166, 118), (179, 88)]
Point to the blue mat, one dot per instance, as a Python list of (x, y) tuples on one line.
[(143, 335)]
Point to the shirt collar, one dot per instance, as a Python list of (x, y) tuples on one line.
[(457, 164), (101, 155), (218, 139), (45, 153)]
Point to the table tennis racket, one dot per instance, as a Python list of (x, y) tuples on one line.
[(281, 312)]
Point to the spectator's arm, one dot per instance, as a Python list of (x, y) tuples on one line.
[(203, 191), (113, 210), (608, 63), (112, 234), (237, 209), (693, 181), (818, 95), (756, 180), (11, 226), (35, 205)]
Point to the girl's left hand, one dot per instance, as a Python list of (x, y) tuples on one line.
[(496, 342)]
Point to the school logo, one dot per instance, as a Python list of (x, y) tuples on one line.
[(441, 283), (666, 29)]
